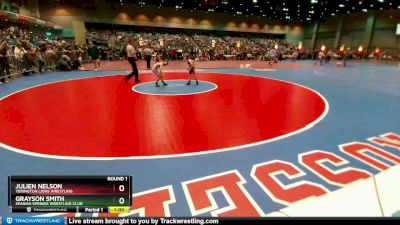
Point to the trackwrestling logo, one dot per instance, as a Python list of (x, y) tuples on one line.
[(33, 221)]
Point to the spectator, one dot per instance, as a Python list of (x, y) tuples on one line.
[(64, 63), (94, 54), (4, 65)]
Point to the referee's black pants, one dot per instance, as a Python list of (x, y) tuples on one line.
[(135, 71)]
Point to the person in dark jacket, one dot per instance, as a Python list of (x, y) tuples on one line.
[(4, 65), (94, 54)]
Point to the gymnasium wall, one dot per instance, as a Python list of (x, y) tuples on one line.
[(355, 31), (170, 18)]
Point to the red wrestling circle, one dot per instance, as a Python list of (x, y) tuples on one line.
[(101, 118)]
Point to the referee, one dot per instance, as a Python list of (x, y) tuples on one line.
[(131, 53)]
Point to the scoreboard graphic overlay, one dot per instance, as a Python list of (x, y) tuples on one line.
[(87, 194)]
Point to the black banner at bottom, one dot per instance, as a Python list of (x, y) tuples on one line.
[(206, 221)]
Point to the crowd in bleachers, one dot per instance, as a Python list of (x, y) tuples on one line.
[(27, 51), (176, 46), (24, 51), (208, 47)]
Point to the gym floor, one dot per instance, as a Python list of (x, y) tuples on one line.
[(241, 143)]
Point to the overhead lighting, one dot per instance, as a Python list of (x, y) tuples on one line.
[(254, 1), (380, 0), (314, 1), (341, 5), (365, 10)]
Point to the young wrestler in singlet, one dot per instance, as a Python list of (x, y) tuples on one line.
[(191, 71), (157, 71)]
